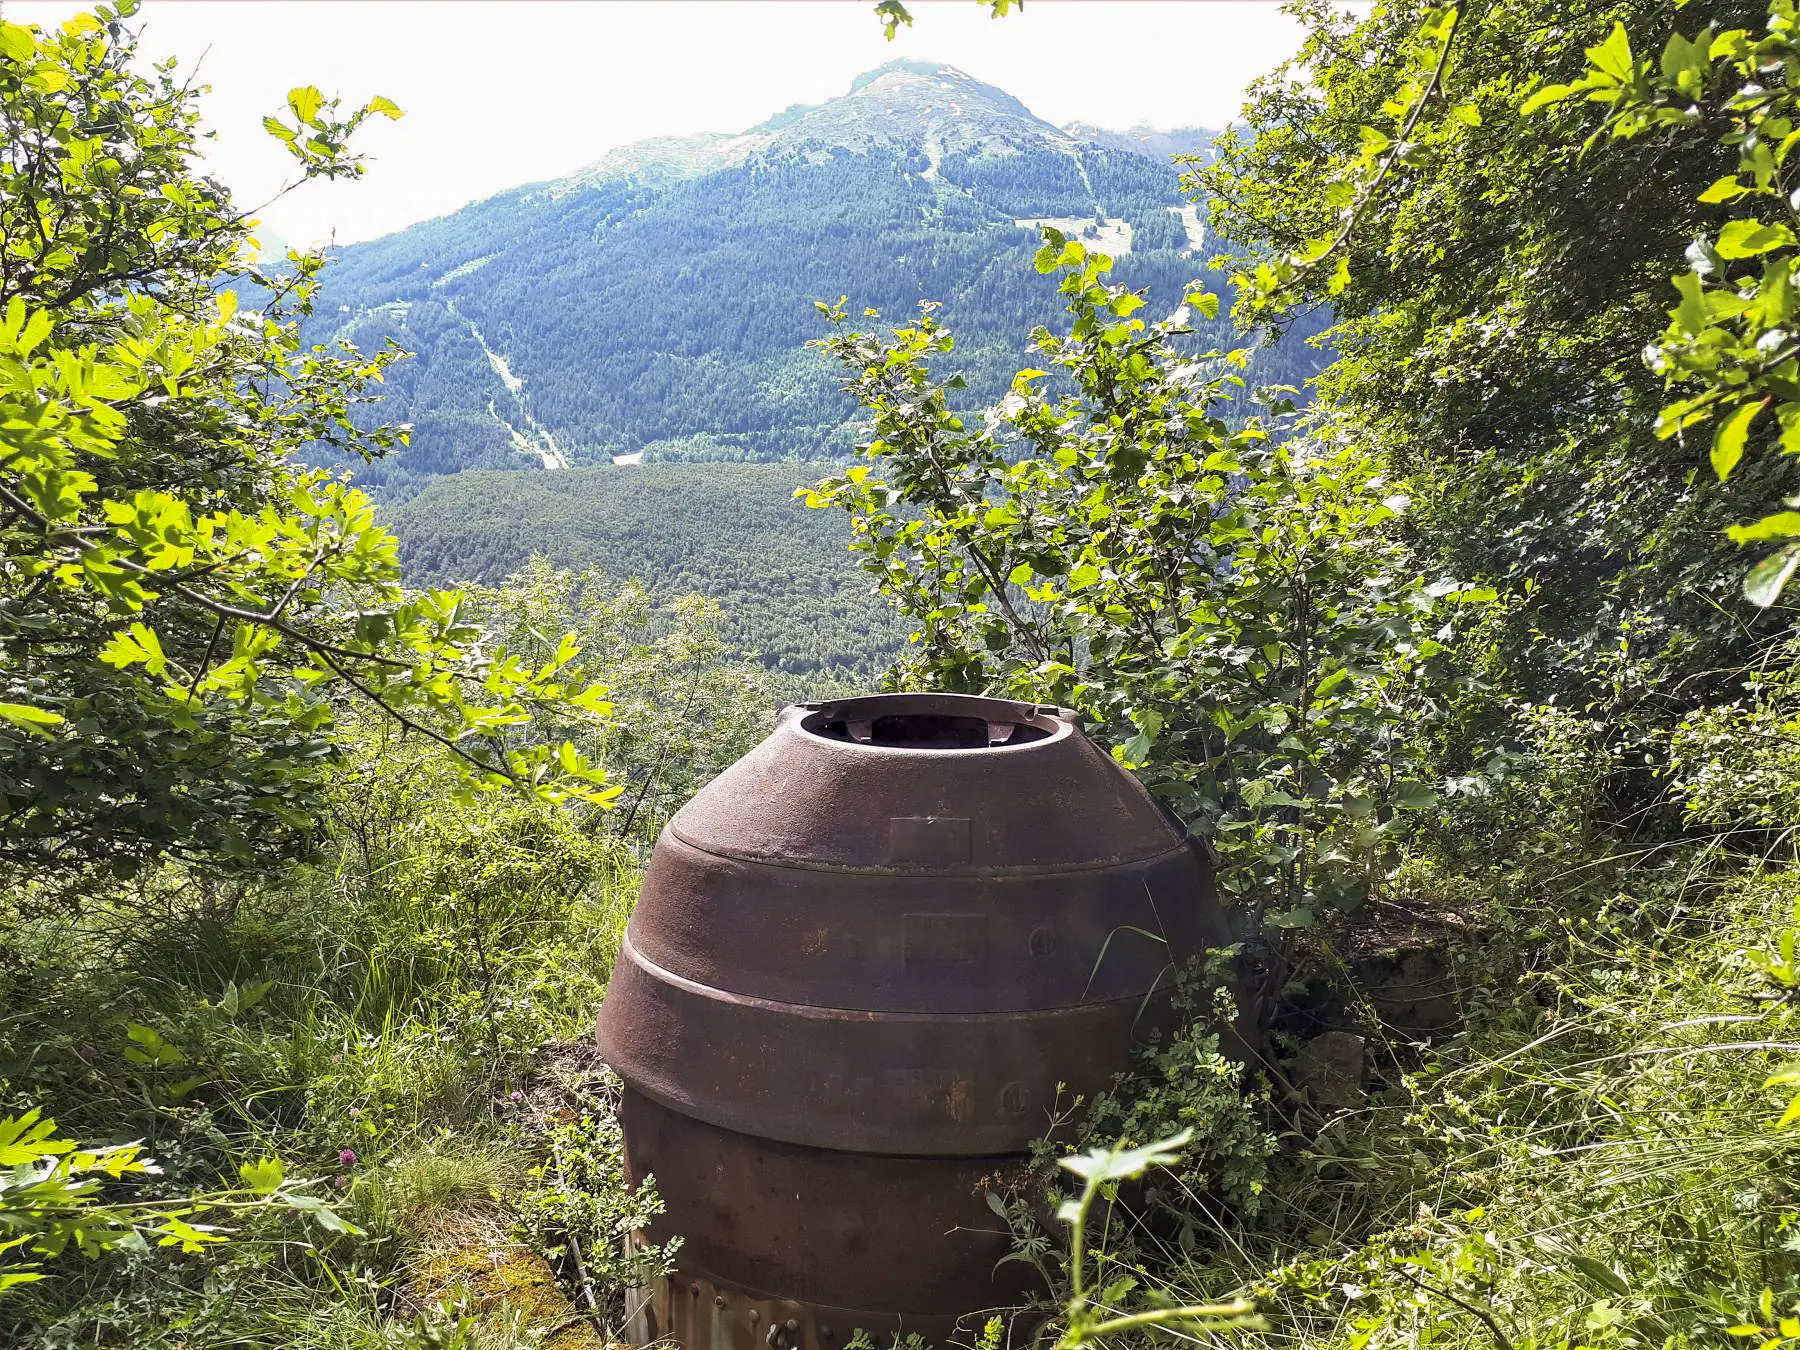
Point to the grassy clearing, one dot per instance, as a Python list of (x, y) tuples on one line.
[(1588, 1158), (1591, 1159), (374, 1022)]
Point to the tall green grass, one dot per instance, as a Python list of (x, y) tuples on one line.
[(391, 1000)]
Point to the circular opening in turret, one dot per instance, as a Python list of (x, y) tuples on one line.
[(933, 722)]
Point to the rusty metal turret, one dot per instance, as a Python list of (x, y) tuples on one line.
[(864, 959)]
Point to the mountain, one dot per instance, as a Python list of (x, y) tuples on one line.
[(905, 105), (658, 302), (1143, 140)]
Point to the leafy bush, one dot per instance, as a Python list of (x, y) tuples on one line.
[(579, 1209), (1238, 616), (185, 608), (1183, 1083), (1736, 766), (367, 1021)]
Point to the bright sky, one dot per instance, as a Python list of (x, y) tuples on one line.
[(499, 94)]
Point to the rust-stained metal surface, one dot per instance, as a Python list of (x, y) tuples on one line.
[(780, 1221), (863, 960)]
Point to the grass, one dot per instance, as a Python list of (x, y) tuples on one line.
[(1589, 1157), (389, 1007), (1590, 1160)]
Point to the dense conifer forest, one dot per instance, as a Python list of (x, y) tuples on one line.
[(782, 575)]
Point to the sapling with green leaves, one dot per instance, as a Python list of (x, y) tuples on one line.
[(186, 606), (51, 1201), (1092, 1313), (1234, 609)]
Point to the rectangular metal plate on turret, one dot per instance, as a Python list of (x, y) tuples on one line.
[(928, 839)]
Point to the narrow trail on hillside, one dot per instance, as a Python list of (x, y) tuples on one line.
[(1074, 153), (536, 438)]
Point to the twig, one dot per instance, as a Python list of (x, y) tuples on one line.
[(1406, 130), (411, 725), (206, 660), (587, 1287), (1500, 1337)]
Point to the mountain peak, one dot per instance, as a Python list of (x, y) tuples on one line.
[(904, 65), (923, 106), (904, 73), (1152, 141)]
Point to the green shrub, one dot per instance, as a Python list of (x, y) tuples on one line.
[(580, 1211), (1183, 1082)]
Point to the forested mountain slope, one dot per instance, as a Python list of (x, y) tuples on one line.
[(659, 301), (731, 532)]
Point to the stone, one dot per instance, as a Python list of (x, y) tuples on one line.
[(1330, 1068)]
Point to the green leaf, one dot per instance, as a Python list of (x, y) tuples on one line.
[(150, 1049), (1690, 315), (1599, 1272), (385, 106), (1207, 302), (1613, 57), (322, 1214), (1543, 98), (16, 42), (1724, 190), (29, 1138), (892, 14), (241, 998), (1780, 525), (32, 721), (1747, 238), (133, 646), (263, 1176), (1764, 583), (1330, 682), (48, 81), (1728, 440), (1414, 797), (305, 101), (190, 1237)]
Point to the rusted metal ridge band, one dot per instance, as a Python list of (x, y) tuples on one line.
[(798, 864), (920, 1084), (899, 943)]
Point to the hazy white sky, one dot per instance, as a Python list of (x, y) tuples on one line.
[(498, 94)]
